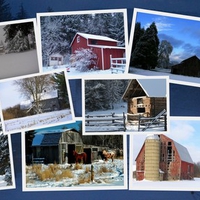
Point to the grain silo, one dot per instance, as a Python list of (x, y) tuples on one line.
[(152, 157)]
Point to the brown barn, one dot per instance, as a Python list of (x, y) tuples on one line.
[(104, 47), (161, 158), (57, 147), (188, 67), (145, 97)]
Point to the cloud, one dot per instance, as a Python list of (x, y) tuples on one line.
[(161, 24), (181, 130), (173, 41)]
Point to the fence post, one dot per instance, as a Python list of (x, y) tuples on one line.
[(124, 121), (92, 173), (139, 122), (165, 119), (111, 63)]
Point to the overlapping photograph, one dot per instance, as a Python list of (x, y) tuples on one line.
[(166, 161), (165, 44), (18, 48), (61, 158), (34, 101), (85, 42), (125, 104)]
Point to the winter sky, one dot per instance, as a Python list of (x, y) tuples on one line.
[(182, 33), (185, 131), (11, 98)]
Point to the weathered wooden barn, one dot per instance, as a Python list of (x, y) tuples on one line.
[(104, 47), (49, 101), (145, 97), (161, 158), (56, 59), (57, 147), (188, 67)]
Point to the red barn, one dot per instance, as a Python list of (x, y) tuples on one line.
[(161, 158), (102, 46)]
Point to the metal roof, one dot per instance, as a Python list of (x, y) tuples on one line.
[(183, 153)]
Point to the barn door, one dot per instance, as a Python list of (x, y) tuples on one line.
[(88, 152), (71, 158)]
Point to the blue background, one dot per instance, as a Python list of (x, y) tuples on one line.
[(184, 100)]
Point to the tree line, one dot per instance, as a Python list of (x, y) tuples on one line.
[(103, 94), (148, 51), (57, 32)]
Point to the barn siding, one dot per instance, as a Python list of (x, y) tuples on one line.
[(149, 106), (171, 165)]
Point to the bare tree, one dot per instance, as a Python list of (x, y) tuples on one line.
[(33, 87)]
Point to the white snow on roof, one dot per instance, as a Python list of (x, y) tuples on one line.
[(183, 153), (96, 37), (107, 47), (154, 87), (49, 95)]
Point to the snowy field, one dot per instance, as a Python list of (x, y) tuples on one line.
[(38, 120), (18, 64), (2, 182), (106, 174), (182, 185), (173, 77), (73, 72)]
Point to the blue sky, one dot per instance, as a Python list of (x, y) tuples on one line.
[(185, 131), (182, 33)]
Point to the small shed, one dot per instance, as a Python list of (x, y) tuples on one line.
[(56, 59), (188, 67), (104, 47), (161, 158), (145, 97), (57, 147)]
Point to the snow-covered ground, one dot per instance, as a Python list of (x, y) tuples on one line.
[(119, 109), (18, 64), (112, 175), (73, 72), (187, 80), (179, 185), (38, 120), (2, 182)]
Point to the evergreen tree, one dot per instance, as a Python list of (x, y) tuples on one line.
[(145, 54), (5, 168), (17, 37), (5, 13), (22, 14), (59, 79)]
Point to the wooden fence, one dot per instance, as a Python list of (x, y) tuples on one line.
[(117, 64), (106, 123), (159, 120)]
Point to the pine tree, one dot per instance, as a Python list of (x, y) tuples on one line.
[(5, 13), (145, 54), (5, 168), (22, 14)]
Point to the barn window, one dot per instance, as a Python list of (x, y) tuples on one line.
[(78, 39), (93, 41), (140, 110)]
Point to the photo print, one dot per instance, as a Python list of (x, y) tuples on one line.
[(18, 48), (125, 105), (85, 42), (34, 101), (174, 43), (61, 158), (7, 180), (166, 161)]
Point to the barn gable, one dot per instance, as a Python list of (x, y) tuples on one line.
[(168, 160), (188, 67), (145, 97), (145, 87)]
